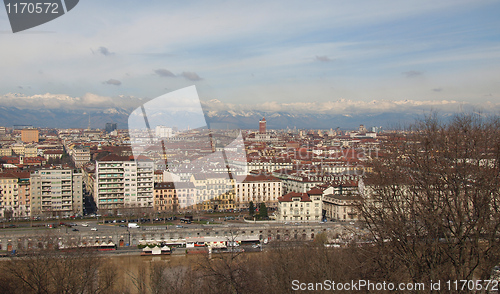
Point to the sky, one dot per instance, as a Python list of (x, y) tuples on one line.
[(274, 55)]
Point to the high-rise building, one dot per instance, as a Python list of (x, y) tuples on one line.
[(110, 127), (56, 192), (29, 135), (262, 126), (122, 182)]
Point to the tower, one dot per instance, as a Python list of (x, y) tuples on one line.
[(262, 126)]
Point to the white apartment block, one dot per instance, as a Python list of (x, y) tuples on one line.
[(122, 182), (258, 189), (56, 192)]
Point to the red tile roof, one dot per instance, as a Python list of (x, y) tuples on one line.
[(289, 197)]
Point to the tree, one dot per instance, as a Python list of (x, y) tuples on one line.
[(433, 203), (251, 209), (263, 210)]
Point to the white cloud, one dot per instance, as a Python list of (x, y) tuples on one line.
[(346, 106)]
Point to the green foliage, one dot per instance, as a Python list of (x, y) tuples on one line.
[(251, 209), (263, 211)]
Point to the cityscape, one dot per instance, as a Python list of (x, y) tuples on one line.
[(248, 147)]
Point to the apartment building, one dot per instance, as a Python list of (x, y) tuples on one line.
[(341, 201), (14, 194), (258, 189), (56, 192), (122, 182), (214, 191), (80, 156), (29, 135), (8, 195)]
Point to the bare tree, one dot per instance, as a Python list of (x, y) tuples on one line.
[(433, 204), (52, 271)]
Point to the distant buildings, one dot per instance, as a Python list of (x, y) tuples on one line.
[(262, 126), (163, 132), (110, 127), (29, 135)]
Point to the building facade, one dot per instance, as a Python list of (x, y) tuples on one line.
[(258, 189), (214, 191), (56, 192), (122, 182), (29, 135), (80, 156), (300, 206)]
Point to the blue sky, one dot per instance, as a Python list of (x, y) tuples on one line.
[(258, 52)]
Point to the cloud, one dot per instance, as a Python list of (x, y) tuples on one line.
[(113, 82), (412, 73), (437, 89), (192, 76), (323, 58), (164, 73), (61, 101), (342, 106), (104, 51)]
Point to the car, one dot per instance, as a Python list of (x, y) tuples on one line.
[(85, 225), (178, 226), (122, 225), (75, 230), (94, 229)]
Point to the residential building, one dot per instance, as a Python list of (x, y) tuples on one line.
[(258, 189), (300, 206), (172, 197), (56, 192), (214, 191), (14, 197), (165, 197), (29, 135), (122, 182), (341, 201), (80, 155), (341, 207)]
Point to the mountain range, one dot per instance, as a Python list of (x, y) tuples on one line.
[(71, 118)]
